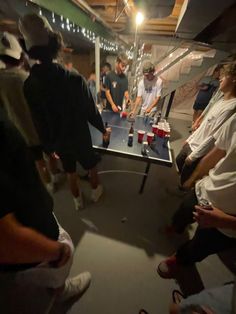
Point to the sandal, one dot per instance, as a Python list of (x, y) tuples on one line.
[(177, 296)]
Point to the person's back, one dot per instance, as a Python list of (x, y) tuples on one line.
[(59, 107), (12, 79)]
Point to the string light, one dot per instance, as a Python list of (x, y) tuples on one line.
[(53, 17), (66, 24)]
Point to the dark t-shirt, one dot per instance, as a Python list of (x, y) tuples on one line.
[(102, 81), (118, 85), (21, 190), (61, 105), (204, 96)]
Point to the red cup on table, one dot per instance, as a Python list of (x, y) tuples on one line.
[(150, 137), (160, 131), (154, 128), (140, 135), (123, 114)]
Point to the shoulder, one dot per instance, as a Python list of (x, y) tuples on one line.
[(159, 81), (110, 75), (141, 84)]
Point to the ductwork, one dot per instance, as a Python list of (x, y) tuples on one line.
[(196, 15)]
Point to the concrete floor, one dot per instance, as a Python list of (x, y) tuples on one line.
[(119, 239)]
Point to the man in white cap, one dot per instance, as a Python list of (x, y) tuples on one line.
[(149, 91), (14, 103)]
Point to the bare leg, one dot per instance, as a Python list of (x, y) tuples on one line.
[(94, 180), (43, 171), (52, 164), (73, 184)]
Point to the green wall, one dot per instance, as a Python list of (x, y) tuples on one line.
[(74, 14)]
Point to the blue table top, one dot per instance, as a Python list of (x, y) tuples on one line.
[(119, 139)]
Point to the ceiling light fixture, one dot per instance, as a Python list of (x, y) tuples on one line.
[(139, 18)]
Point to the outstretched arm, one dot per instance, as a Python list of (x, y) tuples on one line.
[(208, 162)]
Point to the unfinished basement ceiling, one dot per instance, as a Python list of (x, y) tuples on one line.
[(162, 15), (165, 19)]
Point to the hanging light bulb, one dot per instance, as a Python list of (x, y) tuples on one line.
[(53, 17), (40, 12)]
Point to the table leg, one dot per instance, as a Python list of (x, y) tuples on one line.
[(144, 177)]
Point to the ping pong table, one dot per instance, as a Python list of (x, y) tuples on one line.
[(158, 154)]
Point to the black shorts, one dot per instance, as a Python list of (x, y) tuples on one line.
[(37, 152), (198, 106), (88, 160)]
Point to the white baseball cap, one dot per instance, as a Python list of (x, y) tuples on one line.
[(35, 30), (9, 46)]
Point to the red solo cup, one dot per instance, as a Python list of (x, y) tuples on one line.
[(154, 128), (123, 114), (140, 135), (160, 131), (150, 137)]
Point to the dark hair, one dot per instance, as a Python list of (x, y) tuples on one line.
[(11, 61), (108, 65), (49, 52), (230, 69)]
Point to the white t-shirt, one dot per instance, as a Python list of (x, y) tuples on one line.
[(219, 187), (217, 115), (149, 90)]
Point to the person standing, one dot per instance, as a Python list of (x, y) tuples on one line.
[(106, 68), (207, 87), (35, 251), (61, 106), (212, 204), (16, 107), (149, 91), (116, 84), (219, 113)]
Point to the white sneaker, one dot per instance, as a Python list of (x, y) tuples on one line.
[(76, 286), (78, 201), (96, 193)]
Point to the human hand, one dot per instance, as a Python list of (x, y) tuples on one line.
[(64, 255), (148, 110), (213, 218), (194, 127), (106, 135), (131, 114), (188, 161), (188, 184), (114, 108)]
